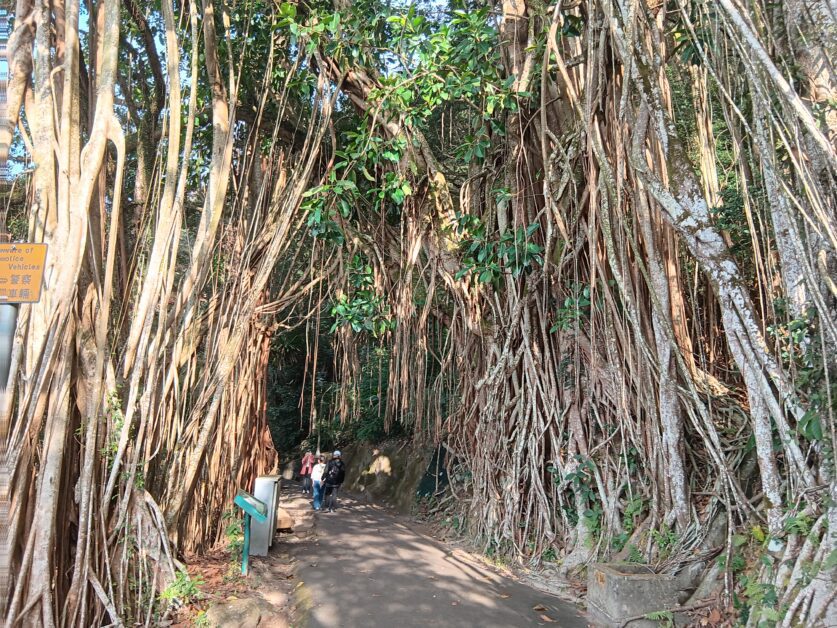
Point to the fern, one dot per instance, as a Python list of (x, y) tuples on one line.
[(666, 618)]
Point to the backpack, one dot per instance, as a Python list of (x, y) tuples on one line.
[(335, 473)]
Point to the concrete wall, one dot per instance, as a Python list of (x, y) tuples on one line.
[(387, 473)]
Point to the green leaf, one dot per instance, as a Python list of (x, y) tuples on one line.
[(312, 191), (771, 614), (810, 426), (334, 23), (287, 10)]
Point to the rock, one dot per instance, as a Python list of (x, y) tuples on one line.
[(709, 585), (303, 534), (389, 473), (284, 521), (283, 559), (277, 599), (617, 592), (282, 571), (303, 524), (242, 613)]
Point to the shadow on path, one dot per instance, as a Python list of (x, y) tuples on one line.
[(366, 568)]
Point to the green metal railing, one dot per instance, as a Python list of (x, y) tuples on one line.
[(253, 509)]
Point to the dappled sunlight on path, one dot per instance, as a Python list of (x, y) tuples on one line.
[(367, 568)]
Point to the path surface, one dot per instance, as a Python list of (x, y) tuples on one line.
[(366, 568)]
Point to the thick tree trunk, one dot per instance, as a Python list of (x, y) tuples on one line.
[(42, 576), (671, 417), (20, 68), (688, 213)]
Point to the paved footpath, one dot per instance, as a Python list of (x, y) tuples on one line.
[(366, 568)]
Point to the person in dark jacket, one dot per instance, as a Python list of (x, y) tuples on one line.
[(335, 473)]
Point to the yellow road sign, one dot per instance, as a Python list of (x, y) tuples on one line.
[(21, 272)]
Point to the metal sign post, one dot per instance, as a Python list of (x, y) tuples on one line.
[(21, 279), (8, 324), (8, 319), (253, 508)]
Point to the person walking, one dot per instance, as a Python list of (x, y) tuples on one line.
[(317, 473), (305, 472), (335, 473)]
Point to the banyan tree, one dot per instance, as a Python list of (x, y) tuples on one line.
[(589, 248)]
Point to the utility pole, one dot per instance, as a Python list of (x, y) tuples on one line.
[(8, 311), (8, 322)]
